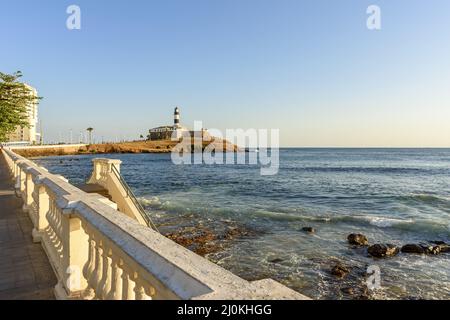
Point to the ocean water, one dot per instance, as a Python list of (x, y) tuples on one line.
[(394, 196)]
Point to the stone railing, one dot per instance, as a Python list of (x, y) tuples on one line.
[(106, 174), (98, 252)]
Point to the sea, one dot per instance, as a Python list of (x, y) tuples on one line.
[(396, 196)]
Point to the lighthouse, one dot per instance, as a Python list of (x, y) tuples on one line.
[(176, 118), (169, 131)]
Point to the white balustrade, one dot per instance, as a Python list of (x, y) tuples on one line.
[(104, 176), (98, 252)]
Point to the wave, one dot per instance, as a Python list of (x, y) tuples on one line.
[(405, 224), (384, 222), (427, 198), (153, 201), (362, 169), (270, 215)]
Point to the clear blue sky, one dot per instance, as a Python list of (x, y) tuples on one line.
[(310, 68)]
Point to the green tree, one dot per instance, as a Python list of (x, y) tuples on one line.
[(15, 97)]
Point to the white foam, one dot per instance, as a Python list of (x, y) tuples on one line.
[(149, 202), (384, 222)]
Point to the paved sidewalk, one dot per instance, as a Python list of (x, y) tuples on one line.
[(25, 272)]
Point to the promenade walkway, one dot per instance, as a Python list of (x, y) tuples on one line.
[(25, 272)]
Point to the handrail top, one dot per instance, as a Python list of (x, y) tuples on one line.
[(106, 160), (146, 246)]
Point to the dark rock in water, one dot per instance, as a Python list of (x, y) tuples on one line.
[(349, 291), (276, 260), (204, 241), (412, 298), (309, 229), (425, 248), (364, 296), (430, 248), (383, 250), (436, 250), (413, 248), (358, 239), (443, 247), (340, 271), (438, 242)]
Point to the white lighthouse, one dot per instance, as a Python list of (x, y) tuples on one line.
[(168, 132), (176, 118), (178, 129)]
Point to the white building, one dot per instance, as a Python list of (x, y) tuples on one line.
[(28, 135), (169, 132)]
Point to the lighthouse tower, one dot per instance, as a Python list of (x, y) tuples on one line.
[(176, 118)]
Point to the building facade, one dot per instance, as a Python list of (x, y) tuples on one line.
[(175, 131), (29, 134)]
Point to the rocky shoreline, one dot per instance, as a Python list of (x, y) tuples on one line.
[(359, 290), (204, 241), (161, 146), (382, 250), (348, 279)]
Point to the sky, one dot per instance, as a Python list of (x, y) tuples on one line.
[(311, 69)]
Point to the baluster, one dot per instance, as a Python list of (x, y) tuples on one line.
[(140, 293), (35, 207), (108, 272), (22, 184), (51, 222), (16, 169), (117, 283), (42, 208), (29, 188), (143, 292), (88, 270), (150, 291), (98, 268), (129, 284), (58, 232)]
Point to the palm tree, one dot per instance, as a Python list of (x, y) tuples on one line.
[(89, 130)]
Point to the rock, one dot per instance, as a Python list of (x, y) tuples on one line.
[(430, 248), (383, 250), (443, 247), (438, 242), (204, 240), (412, 248), (436, 250), (349, 291), (276, 260), (423, 248), (358, 239), (340, 271), (309, 229)]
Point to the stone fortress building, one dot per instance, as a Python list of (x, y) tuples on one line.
[(28, 135), (176, 131), (166, 132)]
